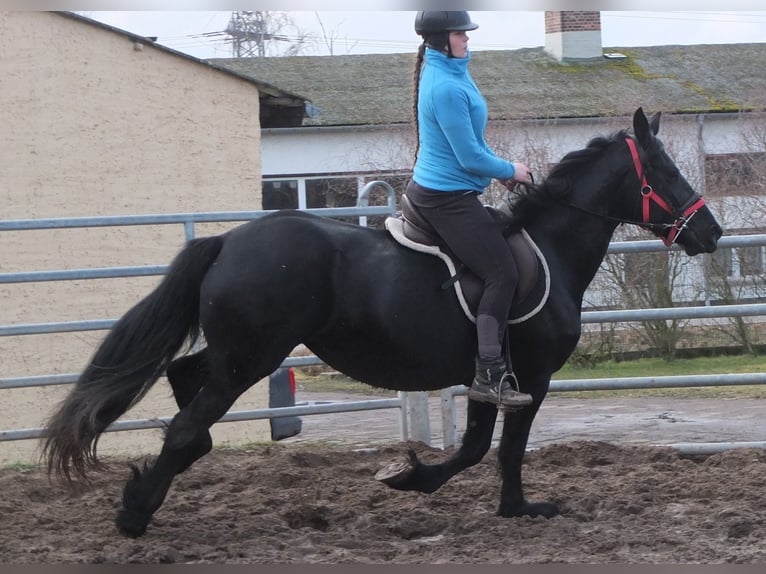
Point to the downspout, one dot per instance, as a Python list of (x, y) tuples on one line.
[(701, 152), (702, 186)]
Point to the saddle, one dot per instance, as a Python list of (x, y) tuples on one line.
[(412, 230)]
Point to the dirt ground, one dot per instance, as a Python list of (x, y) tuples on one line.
[(319, 503)]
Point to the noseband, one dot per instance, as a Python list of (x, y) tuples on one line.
[(683, 215)]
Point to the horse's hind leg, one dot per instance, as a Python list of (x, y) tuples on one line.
[(186, 440), (186, 376), (414, 475)]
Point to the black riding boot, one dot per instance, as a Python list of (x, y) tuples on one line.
[(494, 383)]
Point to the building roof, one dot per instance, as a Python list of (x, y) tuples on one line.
[(375, 89), (278, 107)]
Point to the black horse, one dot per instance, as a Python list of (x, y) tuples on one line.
[(371, 309)]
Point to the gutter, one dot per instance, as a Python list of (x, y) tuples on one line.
[(526, 121)]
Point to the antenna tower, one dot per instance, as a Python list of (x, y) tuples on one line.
[(250, 33)]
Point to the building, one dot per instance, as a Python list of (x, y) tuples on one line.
[(98, 121), (543, 102)]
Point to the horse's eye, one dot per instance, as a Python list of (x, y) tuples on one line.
[(673, 176)]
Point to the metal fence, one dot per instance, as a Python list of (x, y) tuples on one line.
[(188, 220), (413, 407), (449, 427)]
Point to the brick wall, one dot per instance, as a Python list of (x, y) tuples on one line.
[(571, 21), (573, 35)]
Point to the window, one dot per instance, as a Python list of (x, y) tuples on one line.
[(735, 174), (738, 263), (750, 260), (720, 264), (337, 191), (280, 194), (331, 192)]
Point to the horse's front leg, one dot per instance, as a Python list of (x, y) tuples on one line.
[(513, 445), (411, 474)]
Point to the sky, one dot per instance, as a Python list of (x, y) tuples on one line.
[(357, 32)]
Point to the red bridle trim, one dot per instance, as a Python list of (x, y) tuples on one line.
[(648, 194), (680, 223)]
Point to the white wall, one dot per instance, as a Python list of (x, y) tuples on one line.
[(298, 151)]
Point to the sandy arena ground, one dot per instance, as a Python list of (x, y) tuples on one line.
[(312, 498)]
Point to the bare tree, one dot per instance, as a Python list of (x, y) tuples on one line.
[(650, 281), (724, 290), (330, 37), (738, 275)]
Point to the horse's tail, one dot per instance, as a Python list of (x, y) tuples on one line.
[(133, 355)]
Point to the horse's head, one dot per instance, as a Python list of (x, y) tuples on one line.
[(671, 208)]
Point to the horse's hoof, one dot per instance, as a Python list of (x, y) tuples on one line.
[(532, 509), (544, 509), (395, 472), (131, 524)]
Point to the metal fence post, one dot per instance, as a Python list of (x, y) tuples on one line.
[(404, 427), (419, 419), (449, 417)]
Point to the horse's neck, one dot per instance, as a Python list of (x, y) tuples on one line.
[(577, 242), (578, 228)]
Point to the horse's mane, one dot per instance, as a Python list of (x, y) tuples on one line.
[(528, 200)]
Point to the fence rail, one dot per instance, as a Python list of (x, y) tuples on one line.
[(410, 404), (449, 427)]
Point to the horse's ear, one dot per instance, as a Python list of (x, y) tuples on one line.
[(644, 132), (654, 123)]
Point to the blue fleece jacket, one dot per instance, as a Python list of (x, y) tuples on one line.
[(452, 117)]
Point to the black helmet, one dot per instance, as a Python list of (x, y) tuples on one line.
[(433, 22)]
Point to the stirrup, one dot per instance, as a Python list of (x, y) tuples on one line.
[(501, 393), (519, 400)]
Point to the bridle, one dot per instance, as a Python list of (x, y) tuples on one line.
[(683, 215)]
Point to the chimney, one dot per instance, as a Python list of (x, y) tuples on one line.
[(573, 35)]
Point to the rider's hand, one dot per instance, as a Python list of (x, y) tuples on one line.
[(522, 174)]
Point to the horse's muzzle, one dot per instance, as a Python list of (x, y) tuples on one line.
[(695, 243)]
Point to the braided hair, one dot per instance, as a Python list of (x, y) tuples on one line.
[(416, 92)]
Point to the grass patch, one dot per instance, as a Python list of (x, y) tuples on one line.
[(22, 467), (660, 367), (332, 382), (725, 392), (728, 364)]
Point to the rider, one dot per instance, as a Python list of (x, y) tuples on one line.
[(453, 167)]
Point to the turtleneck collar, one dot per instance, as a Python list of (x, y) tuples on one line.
[(443, 61)]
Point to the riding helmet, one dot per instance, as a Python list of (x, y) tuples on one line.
[(435, 21), (435, 26)]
